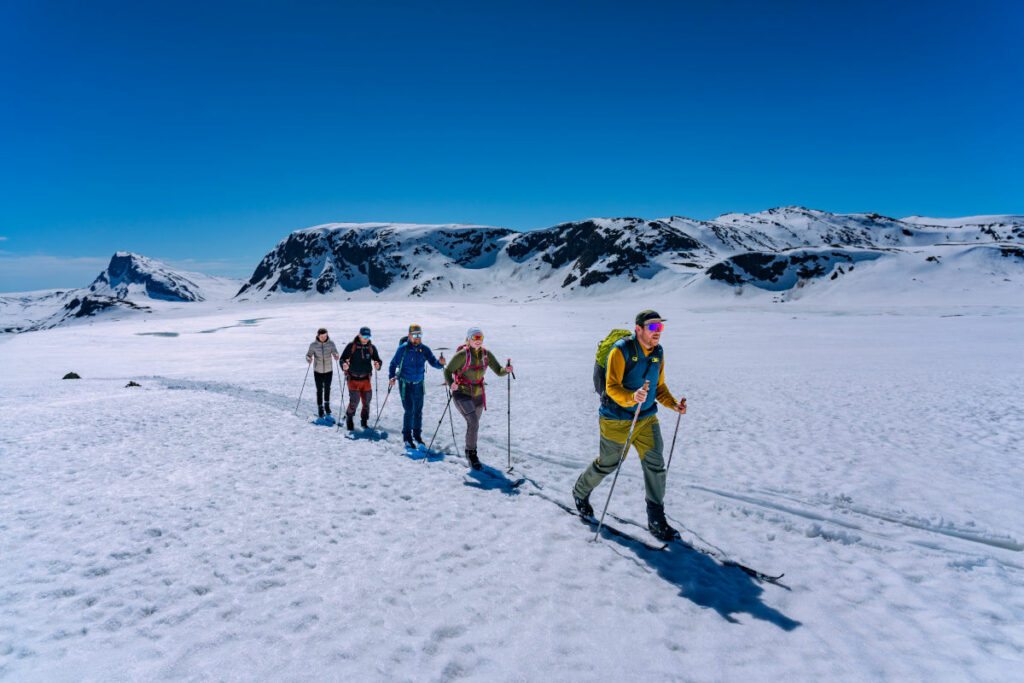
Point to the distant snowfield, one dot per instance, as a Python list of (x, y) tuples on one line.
[(196, 528)]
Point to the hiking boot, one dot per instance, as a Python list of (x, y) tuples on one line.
[(348, 423), (362, 423), (327, 409), (320, 411), (583, 506), (474, 461), (407, 440), (658, 525)]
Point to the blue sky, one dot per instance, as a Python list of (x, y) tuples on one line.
[(202, 133)]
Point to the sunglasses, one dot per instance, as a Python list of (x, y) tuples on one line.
[(416, 335), (477, 337), (655, 327)]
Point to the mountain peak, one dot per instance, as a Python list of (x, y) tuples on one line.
[(129, 273)]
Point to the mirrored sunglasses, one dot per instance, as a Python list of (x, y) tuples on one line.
[(477, 337), (416, 335), (655, 327)]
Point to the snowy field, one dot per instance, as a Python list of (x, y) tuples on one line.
[(195, 528)]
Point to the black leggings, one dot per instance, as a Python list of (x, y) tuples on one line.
[(323, 388)]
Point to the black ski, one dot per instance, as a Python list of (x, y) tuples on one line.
[(591, 522), (512, 483), (716, 556)]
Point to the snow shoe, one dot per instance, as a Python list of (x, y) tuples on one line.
[(348, 423), (474, 461), (583, 506), (658, 525)]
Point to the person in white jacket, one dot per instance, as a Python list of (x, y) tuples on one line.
[(321, 351)]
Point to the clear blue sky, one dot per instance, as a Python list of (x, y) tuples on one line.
[(202, 133)]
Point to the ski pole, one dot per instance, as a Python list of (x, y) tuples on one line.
[(625, 449), (509, 379), (451, 423), (446, 406), (381, 409), (308, 366), (679, 416), (341, 406), (376, 391)]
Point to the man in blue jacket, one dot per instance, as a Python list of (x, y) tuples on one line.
[(409, 368)]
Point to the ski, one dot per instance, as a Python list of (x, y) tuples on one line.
[(593, 523), (366, 433), (418, 453), (497, 476), (715, 555)]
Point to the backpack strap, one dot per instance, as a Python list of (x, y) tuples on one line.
[(459, 376)]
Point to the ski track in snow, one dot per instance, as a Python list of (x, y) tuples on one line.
[(197, 528)]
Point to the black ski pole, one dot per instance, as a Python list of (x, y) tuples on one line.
[(679, 416), (451, 423), (308, 366), (509, 379), (377, 420), (446, 406), (625, 449), (341, 378)]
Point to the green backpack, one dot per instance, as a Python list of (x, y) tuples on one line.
[(604, 347)]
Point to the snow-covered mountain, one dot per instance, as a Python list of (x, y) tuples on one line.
[(772, 250), (134, 276), (130, 283), (352, 256)]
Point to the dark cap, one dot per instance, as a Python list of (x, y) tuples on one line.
[(648, 316), (364, 331), (322, 330)]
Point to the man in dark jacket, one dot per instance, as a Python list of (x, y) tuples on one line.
[(409, 368), (358, 361)]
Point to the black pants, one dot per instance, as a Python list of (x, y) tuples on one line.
[(323, 389)]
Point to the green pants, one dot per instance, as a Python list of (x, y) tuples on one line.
[(649, 446)]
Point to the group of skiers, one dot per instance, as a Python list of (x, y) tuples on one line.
[(631, 380)]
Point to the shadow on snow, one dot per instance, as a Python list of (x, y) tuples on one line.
[(705, 582)]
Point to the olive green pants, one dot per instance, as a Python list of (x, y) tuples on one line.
[(649, 446)]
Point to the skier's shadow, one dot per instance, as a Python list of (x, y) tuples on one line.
[(727, 590), (490, 479)]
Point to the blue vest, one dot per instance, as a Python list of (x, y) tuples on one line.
[(637, 370)]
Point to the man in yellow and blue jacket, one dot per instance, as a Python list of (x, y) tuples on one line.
[(635, 364)]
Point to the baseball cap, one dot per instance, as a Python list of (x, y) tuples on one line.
[(364, 331)]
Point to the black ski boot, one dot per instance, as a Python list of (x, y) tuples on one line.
[(474, 461), (327, 409), (320, 412), (407, 440), (348, 423), (658, 525), (418, 438), (362, 423), (583, 506)]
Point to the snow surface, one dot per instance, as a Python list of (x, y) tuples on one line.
[(197, 528)]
